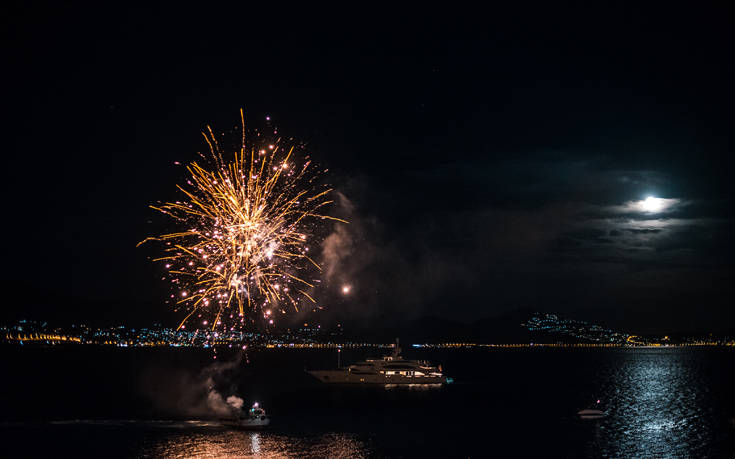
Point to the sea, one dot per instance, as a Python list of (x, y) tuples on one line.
[(108, 402)]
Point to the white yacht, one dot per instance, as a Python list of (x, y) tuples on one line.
[(390, 370)]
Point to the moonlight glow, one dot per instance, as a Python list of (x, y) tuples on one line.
[(651, 204)]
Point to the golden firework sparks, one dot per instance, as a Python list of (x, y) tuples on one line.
[(245, 226)]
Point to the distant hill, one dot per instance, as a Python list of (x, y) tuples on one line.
[(518, 326)]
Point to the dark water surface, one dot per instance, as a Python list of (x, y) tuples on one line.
[(108, 402)]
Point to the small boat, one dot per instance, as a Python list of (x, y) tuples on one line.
[(254, 419), (591, 412)]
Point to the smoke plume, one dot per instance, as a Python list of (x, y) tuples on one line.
[(178, 392)]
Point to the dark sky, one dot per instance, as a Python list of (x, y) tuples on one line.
[(489, 160)]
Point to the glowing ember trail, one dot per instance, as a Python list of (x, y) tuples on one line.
[(245, 226)]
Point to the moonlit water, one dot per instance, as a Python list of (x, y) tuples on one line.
[(519, 403)]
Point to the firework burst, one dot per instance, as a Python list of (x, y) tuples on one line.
[(245, 226)]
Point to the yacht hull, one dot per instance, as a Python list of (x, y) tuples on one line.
[(347, 377)]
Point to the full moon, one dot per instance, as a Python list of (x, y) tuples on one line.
[(651, 204)]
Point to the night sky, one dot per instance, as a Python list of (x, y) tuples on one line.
[(487, 160)]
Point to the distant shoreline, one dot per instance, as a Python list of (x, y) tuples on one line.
[(363, 345)]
